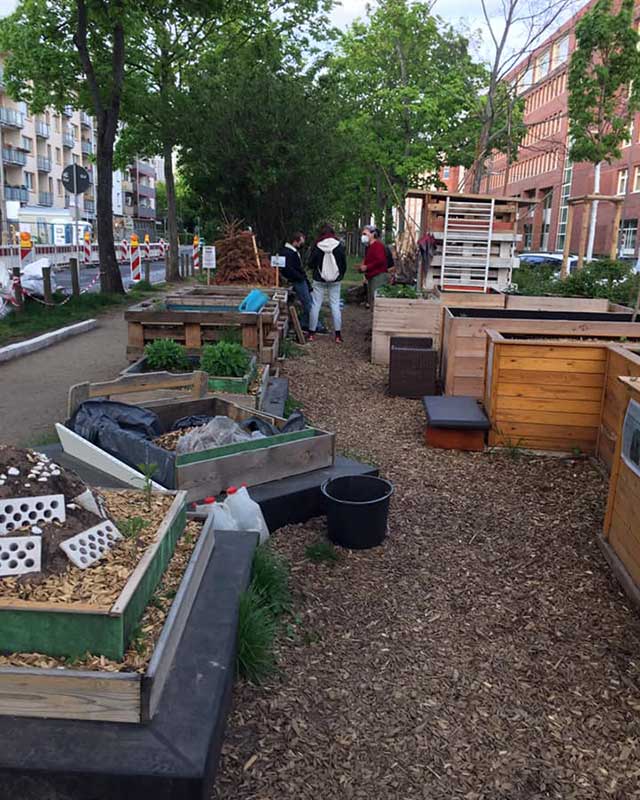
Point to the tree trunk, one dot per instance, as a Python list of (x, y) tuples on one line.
[(173, 270), (481, 155), (594, 213), (110, 278)]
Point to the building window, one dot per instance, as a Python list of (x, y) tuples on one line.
[(528, 236), (445, 173), (28, 179), (59, 183), (58, 156), (561, 51), (636, 180), (565, 193), (628, 236), (629, 139), (543, 65), (623, 180), (57, 123)]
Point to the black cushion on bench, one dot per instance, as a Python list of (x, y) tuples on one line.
[(444, 411)]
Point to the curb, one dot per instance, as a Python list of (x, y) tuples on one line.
[(18, 349)]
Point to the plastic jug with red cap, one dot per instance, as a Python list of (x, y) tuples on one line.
[(246, 513)]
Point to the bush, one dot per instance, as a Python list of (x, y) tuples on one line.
[(165, 354), (225, 359), (398, 290)]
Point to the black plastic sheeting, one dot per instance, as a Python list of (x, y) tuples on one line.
[(125, 432)]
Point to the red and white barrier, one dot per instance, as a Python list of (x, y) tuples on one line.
[(196, 254), (86, 250), (136, 272), (124, 250)]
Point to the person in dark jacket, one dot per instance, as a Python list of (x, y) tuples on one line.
[(294, 272), (328, 262), (376, 264)]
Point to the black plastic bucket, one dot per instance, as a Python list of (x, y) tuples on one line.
[(357, 510)]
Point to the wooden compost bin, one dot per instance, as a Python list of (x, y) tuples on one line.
[(72, 629), (151, 320), (620, 540), (101, 696), (210, 472), (464, 338)]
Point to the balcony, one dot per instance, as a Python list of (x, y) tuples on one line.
[(25, 144), (68, 140), (42, 130), (11, 156), (87, 148), (142, 168), (15, 193), (146, 191), (90, 206), (45, 199), (11, 118), (145, 212), (68, 111), (86, 120), (44, 164)]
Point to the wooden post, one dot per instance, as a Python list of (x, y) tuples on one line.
[(17, 289), (586, 214), (46, 283), (615, 233), (564, 271), (147, 270), (75, 278)]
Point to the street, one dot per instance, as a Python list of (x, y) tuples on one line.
[(90, 280)]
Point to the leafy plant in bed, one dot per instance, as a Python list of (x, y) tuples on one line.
[(230, 367), (166, 355)]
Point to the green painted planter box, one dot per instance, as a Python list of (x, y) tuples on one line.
[(72, 629), (216, 384)]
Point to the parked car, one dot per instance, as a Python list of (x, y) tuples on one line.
[(543, 259)]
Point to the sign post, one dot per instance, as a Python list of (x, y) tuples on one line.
[(278, 263), (76, 180), (209, 260)]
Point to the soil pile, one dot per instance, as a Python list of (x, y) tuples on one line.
[(239, 260)]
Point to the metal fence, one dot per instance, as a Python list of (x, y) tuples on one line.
[(60, 254)]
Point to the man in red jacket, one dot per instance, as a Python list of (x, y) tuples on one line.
[(375, 265)]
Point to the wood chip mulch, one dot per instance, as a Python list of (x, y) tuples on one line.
[(484, 652)]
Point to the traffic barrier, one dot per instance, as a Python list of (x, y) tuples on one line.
[(135, 259)]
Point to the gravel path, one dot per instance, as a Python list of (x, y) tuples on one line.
[(34, 388), (483, 652)]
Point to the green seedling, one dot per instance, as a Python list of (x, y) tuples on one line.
[(147, 486), (132, 528), (322, 551)]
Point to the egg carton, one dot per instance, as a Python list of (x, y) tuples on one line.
[(18, 512), (20, 555), (85, 548)]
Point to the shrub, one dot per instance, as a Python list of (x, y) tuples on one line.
[(398, 290), (225, 359), (165, 354)]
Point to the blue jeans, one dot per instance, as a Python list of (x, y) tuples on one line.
[(301, 288), (333, 289)]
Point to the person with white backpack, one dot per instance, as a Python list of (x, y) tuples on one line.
[(328, 262)]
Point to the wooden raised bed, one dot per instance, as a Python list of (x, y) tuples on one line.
[(72, 629), (209, 472), (201, 297), (151, 320), (464, 338), (108, 696), (402, 317)]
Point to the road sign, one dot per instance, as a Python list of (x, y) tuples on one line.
[(75, 179), (208, 257), (278, 262)]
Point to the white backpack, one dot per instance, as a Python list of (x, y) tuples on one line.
[(329, 271)]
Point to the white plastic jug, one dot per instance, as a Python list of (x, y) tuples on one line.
[(246, 512), (223, 519)]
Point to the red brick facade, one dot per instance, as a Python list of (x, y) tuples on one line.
[(543, 170)]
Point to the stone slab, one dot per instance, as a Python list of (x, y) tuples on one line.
[(11, 351)]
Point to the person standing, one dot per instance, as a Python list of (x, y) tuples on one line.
[(328, 262), (376, 263), (293, 271)]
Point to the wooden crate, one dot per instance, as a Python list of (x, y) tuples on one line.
[(238, 386), (620, 539), (210, 472), (464, 338), (72, 629), (149, 320), (108, 696)]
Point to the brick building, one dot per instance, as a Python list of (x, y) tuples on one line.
[(543, 170)]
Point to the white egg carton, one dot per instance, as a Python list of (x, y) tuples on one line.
[(18, 512), (85, 548), (20, 555)]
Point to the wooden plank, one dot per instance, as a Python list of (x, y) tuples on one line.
[(70, 694), (543, 404), (548, 417), (551, 364), (626, 544), (631, 589), (584, 446), (164, 653), (467, 387), (192, 336), (550, 391), (470, 367), (538, 303), (576, 352), (547, 431), (135, 334), (16, 604), (557, 379)]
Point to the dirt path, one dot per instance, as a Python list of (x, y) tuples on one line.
[(483, 653), (34, 388)]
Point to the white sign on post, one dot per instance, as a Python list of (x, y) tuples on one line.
[(209, 257), (278, 262)]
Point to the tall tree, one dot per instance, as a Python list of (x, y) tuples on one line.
[(408, 87), (604, 90), (527, 22), (63, 52)]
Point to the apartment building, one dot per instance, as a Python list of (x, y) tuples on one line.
[(543, 170), (35, 149)]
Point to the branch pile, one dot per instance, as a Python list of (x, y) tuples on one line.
[(236, 260)]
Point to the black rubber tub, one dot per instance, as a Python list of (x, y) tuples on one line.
[(357, 510)]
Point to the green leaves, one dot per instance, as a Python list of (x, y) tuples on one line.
[(225, 359), (166, 355)]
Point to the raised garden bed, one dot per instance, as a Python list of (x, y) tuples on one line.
[(211, 471)]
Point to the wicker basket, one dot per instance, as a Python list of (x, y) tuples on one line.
[(413, 366)]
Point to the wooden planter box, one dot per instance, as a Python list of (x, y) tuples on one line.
[(402, 317), (108, 696), (199, 298), (464, 340), (72, 629), (150, 320), (210, 472), (216, 384)]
